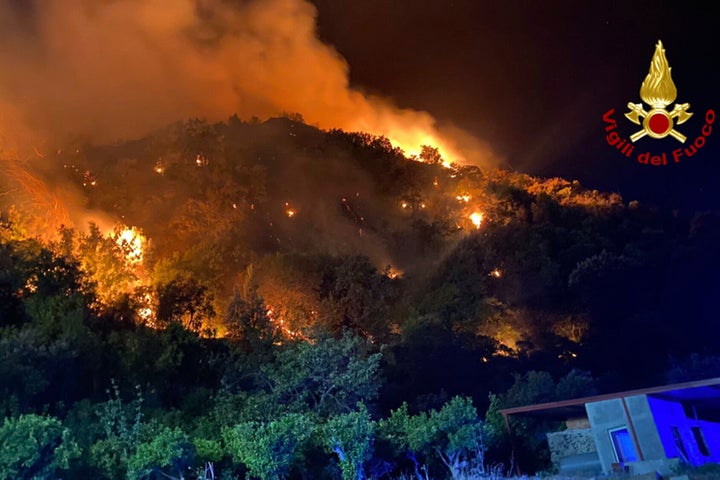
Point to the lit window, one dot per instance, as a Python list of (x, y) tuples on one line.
[(623, 445)]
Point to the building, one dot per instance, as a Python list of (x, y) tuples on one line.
[(640, 431)]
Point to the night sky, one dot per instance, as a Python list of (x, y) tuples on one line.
[(534, 79)]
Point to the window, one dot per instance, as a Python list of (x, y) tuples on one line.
[(623, 445), (679, 444), (700, 441)]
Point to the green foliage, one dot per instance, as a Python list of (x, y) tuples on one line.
[(122, 428), (32, 272), (35, 447), (33, 365), (350, 436), (533, 387), (459, 432), (208, 450), (247, 321), (166, 450), (268, 449), (185, 301), (575, 384), (454, 434), (495, 429), (356, 297), (326, 376), (82, 420)]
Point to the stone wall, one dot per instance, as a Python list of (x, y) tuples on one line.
[(570, 442)]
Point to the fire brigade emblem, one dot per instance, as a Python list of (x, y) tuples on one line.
[(658, 91)]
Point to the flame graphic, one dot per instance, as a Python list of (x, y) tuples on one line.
[(658, 88)]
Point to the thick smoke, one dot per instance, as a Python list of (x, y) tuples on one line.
[(109, 69)]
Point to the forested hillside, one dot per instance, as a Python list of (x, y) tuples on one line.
[(287, 302)]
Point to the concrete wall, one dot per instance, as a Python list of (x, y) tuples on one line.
[(668, 414), (645, 428), (604, 416)]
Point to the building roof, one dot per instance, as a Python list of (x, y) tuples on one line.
[(702, 392)]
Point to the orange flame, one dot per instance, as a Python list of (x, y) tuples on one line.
[(132, 242), (476, 218)]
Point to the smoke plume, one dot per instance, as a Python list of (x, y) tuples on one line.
[(109, 69)]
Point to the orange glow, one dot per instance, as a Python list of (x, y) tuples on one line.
[(411, 140), (282, 328), (496, 273), (146, 311), (31, 284), (132, 242), (290, 211), (201, 161), (88, 179), (132, 50), (476, 218), (45, 207), (392, 272)]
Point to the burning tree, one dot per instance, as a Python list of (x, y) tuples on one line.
[(112, 263)]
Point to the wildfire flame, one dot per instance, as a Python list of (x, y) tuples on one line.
[(146, 311), (133, 244), (392, 272), (476, 218), (282, 328), (658, 88)]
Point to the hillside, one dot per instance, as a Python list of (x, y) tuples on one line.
[(194, 258)]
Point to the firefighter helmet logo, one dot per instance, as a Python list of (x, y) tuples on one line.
[(658, 91)]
